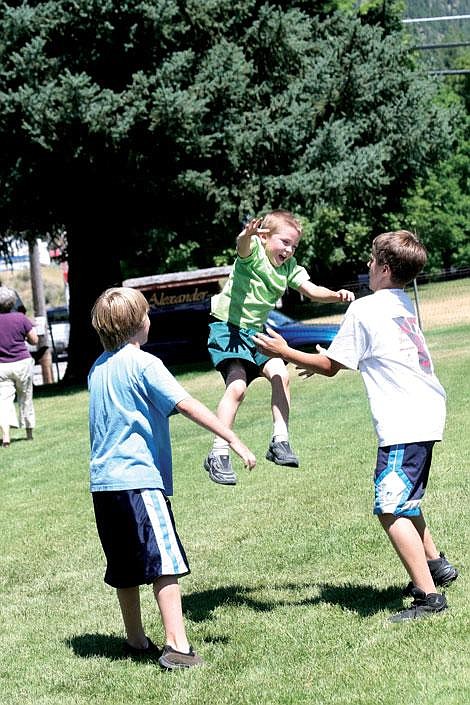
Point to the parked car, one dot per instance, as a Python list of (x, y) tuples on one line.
[(305, 336), (59, 331)]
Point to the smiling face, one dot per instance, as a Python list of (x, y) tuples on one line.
[(281, 244)]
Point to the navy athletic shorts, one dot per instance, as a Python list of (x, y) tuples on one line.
[(401, 477), (138, 535)]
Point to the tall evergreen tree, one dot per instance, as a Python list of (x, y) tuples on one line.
[(148, 129)]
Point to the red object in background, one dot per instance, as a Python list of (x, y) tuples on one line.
[(65, 270)]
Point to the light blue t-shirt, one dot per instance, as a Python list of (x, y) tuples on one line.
[(131, 396)]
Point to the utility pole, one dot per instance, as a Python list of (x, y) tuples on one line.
[(39, 305)]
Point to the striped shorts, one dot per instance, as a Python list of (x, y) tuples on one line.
[(138, 535), (401, 476)]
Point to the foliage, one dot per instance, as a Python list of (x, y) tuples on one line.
[(438, 205), (143, 127), (439, 209), (195, 114)]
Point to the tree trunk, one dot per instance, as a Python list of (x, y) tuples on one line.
[(94, 266)]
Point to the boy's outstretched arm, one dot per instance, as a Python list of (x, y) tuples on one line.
[(244, 239), (324, 295), (274, 345), (200, 414)]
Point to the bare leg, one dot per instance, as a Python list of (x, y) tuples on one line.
[(6, 435), (408, 544), (7, 408), (230, 402), (168, 596), (426, 538), (129, 601), (276, 372), (234, 394)]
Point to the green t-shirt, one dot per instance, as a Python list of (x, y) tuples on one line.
[(254, 287)]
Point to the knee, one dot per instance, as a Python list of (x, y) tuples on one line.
[(281, 378), (237, 391)]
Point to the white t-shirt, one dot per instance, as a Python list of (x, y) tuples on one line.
[(380, 336)]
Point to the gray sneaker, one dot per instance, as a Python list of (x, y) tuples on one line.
[(442, 572), (422, 606), (281, 453), (172, 659), (220, 469)]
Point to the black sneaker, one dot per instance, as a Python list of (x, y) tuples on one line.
[(422, 606), (151, 652), (281, 453), (220, 469), (443, 573), (171, 659)]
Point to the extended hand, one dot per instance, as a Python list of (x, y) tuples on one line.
[(272, 345), (303, 371), (245, 454), (345, 295)]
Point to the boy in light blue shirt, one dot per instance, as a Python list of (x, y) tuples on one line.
[(132, 395)]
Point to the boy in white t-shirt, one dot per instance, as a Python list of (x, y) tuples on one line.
[(380, 337)]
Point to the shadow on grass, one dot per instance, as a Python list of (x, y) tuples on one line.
[(18, 440), (365, 600), (57, 389), (112, 647), (105, 645)]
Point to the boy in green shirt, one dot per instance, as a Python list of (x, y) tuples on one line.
[(264, 268)]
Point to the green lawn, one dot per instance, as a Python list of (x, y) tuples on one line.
[(292, 578)]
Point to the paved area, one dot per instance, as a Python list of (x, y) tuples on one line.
[(58, 371)]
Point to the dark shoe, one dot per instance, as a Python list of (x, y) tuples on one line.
[(443, 573), (281, 453), (151, 652), (171, 659), (422, 606), (220, 469)]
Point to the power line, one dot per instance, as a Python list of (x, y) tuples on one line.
[(448, 72), (410, 20), (451, 45)]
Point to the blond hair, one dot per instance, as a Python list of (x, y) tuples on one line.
[(117, 315), (403, 252), (272, 220)]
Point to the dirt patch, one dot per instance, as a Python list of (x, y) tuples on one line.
[(448, 311)]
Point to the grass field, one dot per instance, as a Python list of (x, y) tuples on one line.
[(292, 578)]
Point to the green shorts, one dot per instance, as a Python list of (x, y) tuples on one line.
[(228, 342)]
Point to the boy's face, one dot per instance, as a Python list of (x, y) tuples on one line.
[(379, 275), (281, 244)]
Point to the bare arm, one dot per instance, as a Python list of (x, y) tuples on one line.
[(32, 336), (200, 414), (274, 345), (244, 239), (324, 295)]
